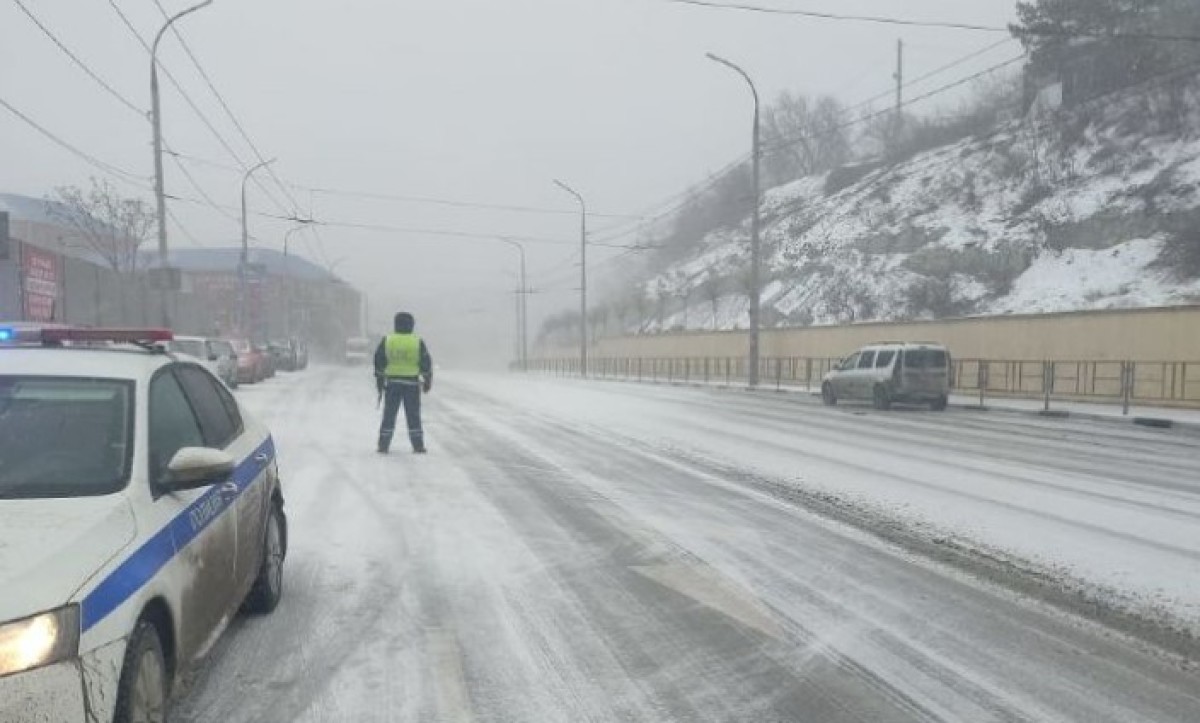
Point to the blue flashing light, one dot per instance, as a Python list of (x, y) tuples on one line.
[(6, 334)]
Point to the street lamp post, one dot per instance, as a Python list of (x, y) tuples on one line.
[(245, 258), (522, 308), (583, 320), (755, 246), (160, 196), (287, 279)]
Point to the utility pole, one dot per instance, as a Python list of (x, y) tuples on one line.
[(245, 259), (287, 276), (160, 195), (899, 83), (583, 319), (755, 222), (522, 344)]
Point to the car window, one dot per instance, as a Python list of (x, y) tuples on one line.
[(866, 360), (173, 424), (849, 362), (216, 424), (63, 437), (925, 359), (884, 360), (191, 347)]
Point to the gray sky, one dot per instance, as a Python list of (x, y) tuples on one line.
[(475, 100)]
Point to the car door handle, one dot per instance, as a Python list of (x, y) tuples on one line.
[(230, 489), (262, 458)]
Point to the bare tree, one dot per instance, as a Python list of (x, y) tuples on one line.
[(805, 136), (106, 223)]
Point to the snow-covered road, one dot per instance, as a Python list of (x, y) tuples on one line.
[(606, 552)]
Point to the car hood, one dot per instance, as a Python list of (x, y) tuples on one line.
[(50, 547)]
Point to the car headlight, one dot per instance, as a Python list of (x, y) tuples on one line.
[(39, 640)]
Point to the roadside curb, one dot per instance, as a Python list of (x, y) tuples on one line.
[(1151, 422)]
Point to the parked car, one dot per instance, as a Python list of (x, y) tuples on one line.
[(268, 361), (221, 353), (892, 372), (252, 366), (140, 510), (221, 364), (283, 355)]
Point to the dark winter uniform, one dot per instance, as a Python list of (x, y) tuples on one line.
[(403, 369)]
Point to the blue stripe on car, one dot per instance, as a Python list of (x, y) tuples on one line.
[(138, 569)]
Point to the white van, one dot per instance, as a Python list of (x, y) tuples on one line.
[(892, 372)]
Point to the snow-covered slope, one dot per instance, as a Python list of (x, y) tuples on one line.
[(1083, 209)]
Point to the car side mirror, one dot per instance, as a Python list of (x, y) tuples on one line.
[(196, 467)]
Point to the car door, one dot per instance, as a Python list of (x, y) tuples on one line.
[(843, 381), (864, 374), (203, 531), (224, 429)]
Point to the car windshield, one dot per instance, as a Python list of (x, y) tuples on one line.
[(64, 436), (191, 347)]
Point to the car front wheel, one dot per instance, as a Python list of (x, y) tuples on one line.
[(142, 692), (827, 394)]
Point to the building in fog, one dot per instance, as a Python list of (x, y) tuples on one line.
[(48, 274), (283, 296)]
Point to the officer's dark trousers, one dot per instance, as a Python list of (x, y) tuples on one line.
[(408, 393)]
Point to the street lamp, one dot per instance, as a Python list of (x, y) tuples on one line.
[(522, 308), (245, 259), (583, 320), (287, 276), (160, 196), (755, 246)]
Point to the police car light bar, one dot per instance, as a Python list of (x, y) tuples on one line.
[(128, 336)]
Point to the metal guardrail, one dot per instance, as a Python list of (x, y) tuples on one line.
[(1168, 384)]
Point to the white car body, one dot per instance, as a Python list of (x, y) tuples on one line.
[(184, 560), (911, 373), (200, 350)]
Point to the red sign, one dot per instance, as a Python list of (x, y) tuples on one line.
[(39, 271)]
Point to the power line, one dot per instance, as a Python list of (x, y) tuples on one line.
[(179, 87), (79, 62), (200, 189), (945, 25), (934, 73), (228, 111), (796, 140), (314, 223), (88, 158), (462, 204), (195, 241)]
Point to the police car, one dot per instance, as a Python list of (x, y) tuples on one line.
[(140, 510)]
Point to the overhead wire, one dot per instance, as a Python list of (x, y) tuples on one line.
[(940, 24), (461, 204), (229, 112), (79, 62), (179, 88), (104, 166)]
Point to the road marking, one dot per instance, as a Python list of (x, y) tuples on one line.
[(453, 701), (709, 588)]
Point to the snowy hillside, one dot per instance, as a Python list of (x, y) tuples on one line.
[(1097, 207)]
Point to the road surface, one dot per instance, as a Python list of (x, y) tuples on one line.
[(607, 552)]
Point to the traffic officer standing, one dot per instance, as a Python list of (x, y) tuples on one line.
[(403, 369)]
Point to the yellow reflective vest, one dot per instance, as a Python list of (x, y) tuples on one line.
[(403, 355)]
